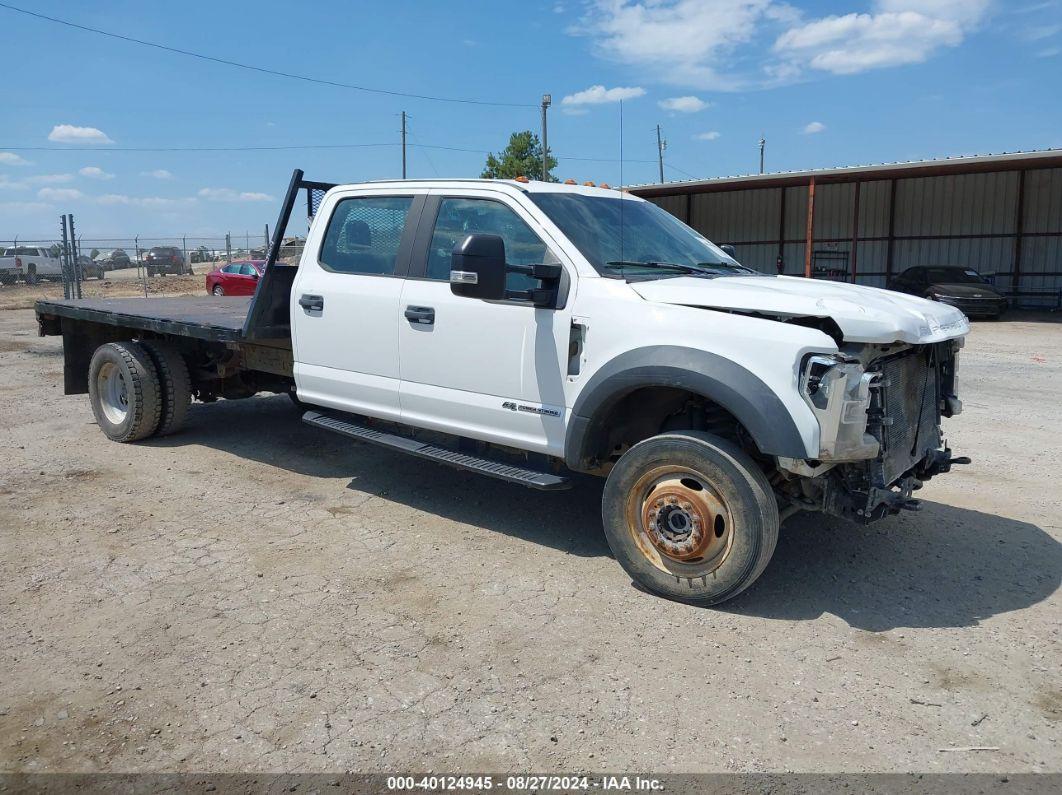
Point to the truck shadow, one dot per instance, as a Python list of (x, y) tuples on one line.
[(941, 567)]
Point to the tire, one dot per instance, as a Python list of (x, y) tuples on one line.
[(124, 391), (690, 516), (218, 290), (176, 385), (31, 274)]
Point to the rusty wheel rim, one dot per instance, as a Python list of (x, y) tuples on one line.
[(679, 522)]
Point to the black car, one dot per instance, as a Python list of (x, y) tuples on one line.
[(963, 288), (165, 259)]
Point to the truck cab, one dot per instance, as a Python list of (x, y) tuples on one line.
[(542, 329)]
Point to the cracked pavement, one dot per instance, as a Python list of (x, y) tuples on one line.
[(256, 595)]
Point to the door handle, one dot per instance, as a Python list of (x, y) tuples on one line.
[(425, 315), (312, 303)]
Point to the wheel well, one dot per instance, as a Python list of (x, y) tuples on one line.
[(651, 410)]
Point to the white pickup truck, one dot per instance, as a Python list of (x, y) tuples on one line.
[(529, 330), (30, 263)]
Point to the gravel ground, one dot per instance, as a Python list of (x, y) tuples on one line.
[(256, 595), (115, 284)]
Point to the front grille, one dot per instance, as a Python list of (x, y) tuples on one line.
[(989, 305), (910, 403)]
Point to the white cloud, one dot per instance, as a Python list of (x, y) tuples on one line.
[(685, 42), (712, 135), (49, 179), (158, 173), (230, 195), (70, 134), (25, 207), (59, 194), (94, 172), (599, 95), (687, 104), (1050, 52), (111, 199), (720, 44), (814, 127), (898, 32), (11, 159), (38, 179)]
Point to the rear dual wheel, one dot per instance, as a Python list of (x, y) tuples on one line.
[(138, 389), (690, 516)]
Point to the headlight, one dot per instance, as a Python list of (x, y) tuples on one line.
[(838, 393)]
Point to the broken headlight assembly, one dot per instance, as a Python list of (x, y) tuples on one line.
[(839, 392)]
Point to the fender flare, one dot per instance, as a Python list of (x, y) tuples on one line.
[(720, 380)]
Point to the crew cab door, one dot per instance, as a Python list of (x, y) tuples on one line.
[(344, 301), (490, 370)]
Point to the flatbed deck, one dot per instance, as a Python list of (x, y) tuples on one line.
[(208, 317)]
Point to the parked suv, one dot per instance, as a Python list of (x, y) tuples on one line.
[(162, 260), (113, 259)]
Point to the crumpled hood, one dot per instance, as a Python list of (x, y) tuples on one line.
[(864, 314)]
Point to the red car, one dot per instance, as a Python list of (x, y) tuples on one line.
[(236, 278)]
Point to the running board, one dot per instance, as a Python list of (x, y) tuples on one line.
[(514, 474)]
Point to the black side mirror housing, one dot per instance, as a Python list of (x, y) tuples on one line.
[(730, 251), (477, 268)]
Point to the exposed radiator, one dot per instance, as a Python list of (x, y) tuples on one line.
[(911, 402)]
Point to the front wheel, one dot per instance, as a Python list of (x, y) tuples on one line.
[(690, 516), (218, 290)]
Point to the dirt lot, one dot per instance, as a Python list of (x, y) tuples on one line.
[(256, 595), (115, 284)]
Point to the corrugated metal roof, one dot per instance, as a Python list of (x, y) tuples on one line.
[(1045, 158)]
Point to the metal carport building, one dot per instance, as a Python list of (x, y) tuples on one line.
[(999, 214)]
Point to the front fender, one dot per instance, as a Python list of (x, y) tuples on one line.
[(718, 379)]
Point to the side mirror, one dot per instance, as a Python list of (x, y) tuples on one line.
[(730, 251), (477, 268)]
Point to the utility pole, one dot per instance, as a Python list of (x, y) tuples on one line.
[(403, 144), (661, 145), (763, 146), (547, 100)]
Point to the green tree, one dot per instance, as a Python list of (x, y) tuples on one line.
[(521, 158)]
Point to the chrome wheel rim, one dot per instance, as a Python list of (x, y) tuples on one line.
[(218, 290), (113, 393)]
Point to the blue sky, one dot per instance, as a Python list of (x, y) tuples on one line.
[(828, 83)]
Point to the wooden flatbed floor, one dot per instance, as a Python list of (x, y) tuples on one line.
[(218, 318)]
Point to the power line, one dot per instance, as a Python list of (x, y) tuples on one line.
[(260, 69), (286, 147)]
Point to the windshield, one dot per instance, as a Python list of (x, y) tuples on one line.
[(628, 238), (953, 276)]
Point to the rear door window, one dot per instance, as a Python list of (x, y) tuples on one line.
[(364, 235)]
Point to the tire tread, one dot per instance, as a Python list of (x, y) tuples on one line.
[(176, 385)]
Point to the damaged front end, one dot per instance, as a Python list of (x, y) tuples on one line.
[(879, 410)]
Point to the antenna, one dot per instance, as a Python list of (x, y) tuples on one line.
[(621, 185), (763, 146)]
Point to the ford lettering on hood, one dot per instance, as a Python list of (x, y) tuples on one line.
[(863, 314)]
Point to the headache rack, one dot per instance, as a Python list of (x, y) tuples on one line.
[(270, 313)]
